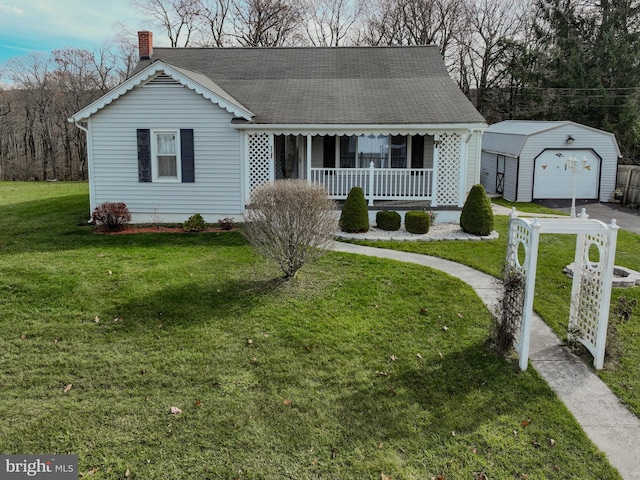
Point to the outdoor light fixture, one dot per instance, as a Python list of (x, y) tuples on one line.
[(570, 139)]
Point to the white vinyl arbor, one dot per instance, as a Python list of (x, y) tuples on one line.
[(592, 278)]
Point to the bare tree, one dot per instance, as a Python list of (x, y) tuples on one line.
[(178, 18), (266, 23), (484, 40), (214, 17), (415, 22), (329, 23), (291, 222)]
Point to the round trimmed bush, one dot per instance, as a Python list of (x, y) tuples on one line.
[(477, 216), (417, 221), (355, 213), (388, 220)]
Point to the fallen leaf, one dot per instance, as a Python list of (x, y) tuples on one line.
[(314, 461), (97, 319), (536, 444), (55, 340), (393, 358), (525, 423), (385, 477), (197, 403), (392, 391), (286, 402), (23, 336), (265, 335), (175, 411), (381, 446), (419, 356), (453, 434), (460, 315), (117, 319), (474, 451), (515, 433), (334, 453), (423, 311), (480, 476), (249, 341), (110, 272), (441, 477), (67, 388), (382, 374), (127, 473)]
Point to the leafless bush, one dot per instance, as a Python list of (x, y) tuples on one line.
[(291, 222)]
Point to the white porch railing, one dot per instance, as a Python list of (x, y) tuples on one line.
[(377, 183)]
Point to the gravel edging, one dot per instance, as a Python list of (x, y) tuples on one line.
[(437, 232)]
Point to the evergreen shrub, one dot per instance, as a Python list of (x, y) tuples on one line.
[(355, 213), (477, 216), (195, 223), (388, 220), (416, 221)]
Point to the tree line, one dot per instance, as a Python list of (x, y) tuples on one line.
[(519, 59)]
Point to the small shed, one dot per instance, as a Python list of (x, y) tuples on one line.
[(531, 160)]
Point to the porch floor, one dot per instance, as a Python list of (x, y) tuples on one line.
[(402, 205)]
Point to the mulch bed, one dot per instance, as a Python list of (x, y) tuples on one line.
[(154, 229)]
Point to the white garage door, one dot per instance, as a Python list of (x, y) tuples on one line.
[(553, 178)]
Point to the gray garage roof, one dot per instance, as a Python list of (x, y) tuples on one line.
[(343, 85)]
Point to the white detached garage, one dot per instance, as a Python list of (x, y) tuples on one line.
[(529, 160)]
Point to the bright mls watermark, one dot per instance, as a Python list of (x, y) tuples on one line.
[(45, 467)]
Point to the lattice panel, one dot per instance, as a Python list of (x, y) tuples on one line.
[(448, 169), (260, 159), (586, 305), (513, 300)]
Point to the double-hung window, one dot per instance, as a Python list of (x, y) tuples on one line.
[(165, 155)]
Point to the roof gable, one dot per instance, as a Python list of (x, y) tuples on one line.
[(192, 80)]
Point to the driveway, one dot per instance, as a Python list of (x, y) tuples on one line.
[(626, 218)]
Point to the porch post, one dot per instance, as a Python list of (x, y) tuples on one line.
[(371, 179), (462, 187), (434, 177), (309, 149)]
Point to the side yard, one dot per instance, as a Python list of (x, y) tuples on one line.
[(361, 368)]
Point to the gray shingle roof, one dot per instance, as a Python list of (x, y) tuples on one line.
[(344, 85)]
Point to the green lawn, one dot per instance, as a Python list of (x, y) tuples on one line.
[(553, 291), (360, 368)]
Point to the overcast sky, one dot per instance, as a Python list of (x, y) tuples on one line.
[(45, 25)]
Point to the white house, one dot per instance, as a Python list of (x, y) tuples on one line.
[(194, 130), (535, 160)]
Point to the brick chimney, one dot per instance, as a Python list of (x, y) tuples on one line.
[(145, 45)]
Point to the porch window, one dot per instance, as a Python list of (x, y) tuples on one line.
[(383, 150), (348, 145), (398, 151)]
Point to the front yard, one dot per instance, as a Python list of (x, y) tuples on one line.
[(361, 368)]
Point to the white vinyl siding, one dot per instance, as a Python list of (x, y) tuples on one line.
[(218, 186)]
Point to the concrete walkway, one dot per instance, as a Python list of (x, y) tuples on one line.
[(608, 423)]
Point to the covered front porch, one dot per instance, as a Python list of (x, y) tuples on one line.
[(431, 167)]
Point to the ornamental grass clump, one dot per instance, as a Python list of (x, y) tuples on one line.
[(112, 216), (355, 213), (416, 221), (477, 216), (388, 220), (292, 222)]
